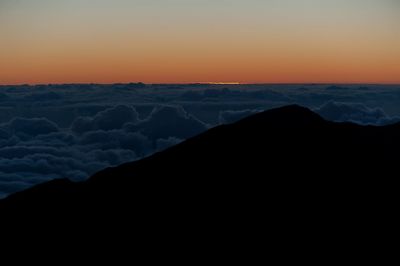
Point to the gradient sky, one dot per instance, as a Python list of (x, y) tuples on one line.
[(179, 41)]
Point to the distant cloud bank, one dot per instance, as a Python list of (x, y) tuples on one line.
[(73, 131)]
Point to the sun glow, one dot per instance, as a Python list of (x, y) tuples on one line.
[(221, 83), (177, 41)]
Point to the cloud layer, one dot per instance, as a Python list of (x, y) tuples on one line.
[(33, 150), (355, 112), (57, 131)]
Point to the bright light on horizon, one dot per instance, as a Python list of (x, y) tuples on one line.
[(220, 83)]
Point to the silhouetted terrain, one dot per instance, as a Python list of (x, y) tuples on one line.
[(75, 130), (286, 168)]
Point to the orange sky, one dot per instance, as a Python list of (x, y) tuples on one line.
[(180, 41)]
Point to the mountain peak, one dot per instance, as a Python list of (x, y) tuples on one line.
[(286, 116), (288, 157)]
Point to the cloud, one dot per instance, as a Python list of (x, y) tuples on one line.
[(23, 151), (116, 139), (163, 144), (170, 121), (4, 134), (13, 182), (27, 166), (36, 150), (29, 126), (55, 139), (3, 96), (43, 96), (82, 125), (336, 88), (9, 142), (115, 118), (355, 112), (11, 186), (112, 157), (74, 130), (226, 95), (35, 159), (109, 119), (227, 117)]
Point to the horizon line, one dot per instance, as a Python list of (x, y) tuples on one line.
[(204, 83)]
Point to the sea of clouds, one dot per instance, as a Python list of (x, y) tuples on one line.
[(73, 131)]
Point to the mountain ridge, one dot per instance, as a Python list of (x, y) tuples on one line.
[(285, 159)]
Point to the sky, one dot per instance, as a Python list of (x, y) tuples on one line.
[(185, 41)]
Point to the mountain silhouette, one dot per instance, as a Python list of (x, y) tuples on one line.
[(286, 171)]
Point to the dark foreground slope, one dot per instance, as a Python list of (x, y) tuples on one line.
[(285, 166)]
